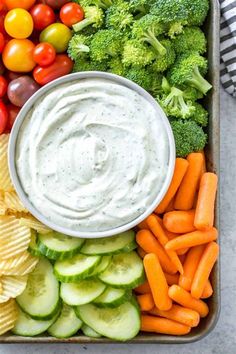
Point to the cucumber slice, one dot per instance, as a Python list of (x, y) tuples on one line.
[(124, 271), (102, 265), (28, 327), (55, 245), (33, 247), (76, 268), (124, 242), (89, 332), (81, 293), (40, 298), (67, 323), (112, 297), (121, 323)]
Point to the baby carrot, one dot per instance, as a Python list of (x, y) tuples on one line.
[(143, 288), (179, 221), (180, 314), (191, 239), (181, 166), (185, 299), (143, 225), (141, 252), (146, 302), (208, 291), (170, 206), (157, 282), (172, 235), (182, 252), (204, 217), (185, 196), (148, 242), (204, 269), (158, 231), (190, 265), (163, 325), (172, 278), (204, 161)]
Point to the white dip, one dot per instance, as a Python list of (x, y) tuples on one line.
[(92, 155)]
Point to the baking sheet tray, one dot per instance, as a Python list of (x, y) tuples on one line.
[(212, 153)]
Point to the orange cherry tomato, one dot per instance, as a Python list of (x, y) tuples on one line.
[(44, 54), (18, 55), (23, 4), (71, 13)]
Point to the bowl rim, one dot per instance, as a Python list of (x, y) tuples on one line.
[(12, 149)]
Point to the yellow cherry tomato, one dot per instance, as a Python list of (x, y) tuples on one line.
[(18, 55), (18, 23)]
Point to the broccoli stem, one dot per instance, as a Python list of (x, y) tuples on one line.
[(150, 38), (79, 26), (199, 82), (175, 100), (104, 4)]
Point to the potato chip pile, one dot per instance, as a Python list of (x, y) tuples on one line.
[(16, 226)]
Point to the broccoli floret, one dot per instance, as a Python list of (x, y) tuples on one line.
[(93, 16), (156, 86), (166, 88), (141, 6), (191, 93), (197, 11), (170, 11), (175, 105), (78, 45), (119, 16), (191, 38), (189, 137), (83, 64), (137, 54), (174, 28), (140, 76), (188, 69), (106, 44), (116, 66), (104, 4), (200, 115), (146, 29), (162, 63)]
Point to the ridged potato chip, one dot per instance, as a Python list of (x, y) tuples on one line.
[(14, 237), (13, 203), (13, 262), (8, 311), (5, 180), (33, 223), (1, 288), (3, 207), (25, 268), (12, 287)]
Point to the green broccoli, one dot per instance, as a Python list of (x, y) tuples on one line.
[(162, 63), (105, 44), (93, 16), (137, 54), (188, 69), (174, 28), (83, 64), (140, 7), (191, 93), (119, 16), (146, 29), (200, 115), (103, 4), (116, 66), (156, 86), (174, 104), (191, 38), (189, 137), (140, 76), (78, 45), (197, 11)]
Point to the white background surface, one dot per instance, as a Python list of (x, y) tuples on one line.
[(223, 338)]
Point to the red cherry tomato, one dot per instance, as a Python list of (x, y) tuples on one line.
[(43, 16), (11, 75), (2, 42), (3, 5), (71, 13), (3, 86), (12, 115), (61, 66), (3, 117), (44, 54)]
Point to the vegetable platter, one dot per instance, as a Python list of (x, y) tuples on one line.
[(106, 292)]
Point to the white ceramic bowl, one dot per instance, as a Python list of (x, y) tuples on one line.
[(12, 146)]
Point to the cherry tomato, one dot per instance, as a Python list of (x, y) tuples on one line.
[(2, 5), (10, 75), (71, 13), (61, 66), (19, 23), (12, 115), (55, 4), (3, 117), (23, 4), (2, 42), (2, 18), (21, 89), (18, 55), (3, 86), (44, 54), (58, 35), (43, 16)]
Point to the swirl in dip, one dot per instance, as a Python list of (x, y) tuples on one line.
[(92, 155)]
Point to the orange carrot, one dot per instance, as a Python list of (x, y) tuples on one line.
[(204, 161), (194, 238), (185, 195), (170, 206), (182, 252), (204, 217), (204, 269), (180, 314), (148, 242), (208, 291), (141, 252), (157, 282), (190, 266), (146, 302), (143, 288), (181, 166), (172, 278), (163, 325), (159, 232), (171, 236), (182, 257), (179, 222), (143, 225), (185, 299)]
